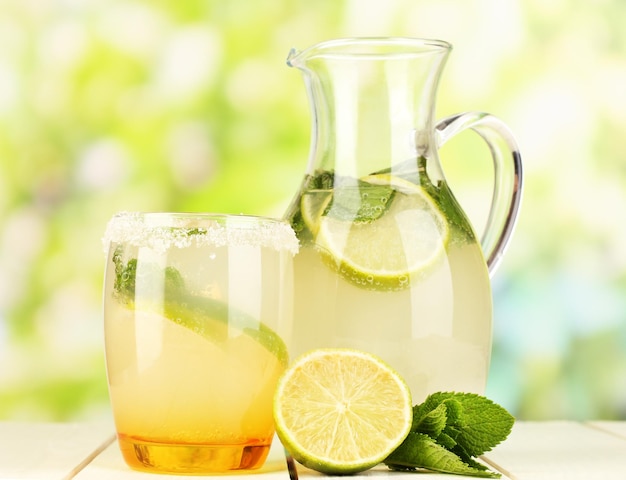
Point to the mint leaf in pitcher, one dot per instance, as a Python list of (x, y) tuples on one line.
[(362, 202), (352, 199)]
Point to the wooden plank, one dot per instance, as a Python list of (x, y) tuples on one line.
[(50, 451), (383, 473), (614, 427), (560, 451), (533, 451), (110, 464)]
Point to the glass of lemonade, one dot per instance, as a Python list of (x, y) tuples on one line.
[(198, 315)]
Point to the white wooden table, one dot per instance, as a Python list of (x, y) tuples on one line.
[(533, 451)]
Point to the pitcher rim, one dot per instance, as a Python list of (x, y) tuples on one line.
[(348, 48)]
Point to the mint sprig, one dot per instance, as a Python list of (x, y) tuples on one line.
[(449, 431)]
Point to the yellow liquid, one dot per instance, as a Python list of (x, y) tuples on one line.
[(185, 403), (436, 333)]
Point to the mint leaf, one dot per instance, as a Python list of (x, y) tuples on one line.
[(449, 429), (126, 275), (322, 180), (416, 171), (363, 202), (481, 423), (353, 200), (419, 451), (432, 422)]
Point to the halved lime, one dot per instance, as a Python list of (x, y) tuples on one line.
[(341, 411), (408, 238)]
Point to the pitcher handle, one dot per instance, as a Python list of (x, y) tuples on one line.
[(507, 186)]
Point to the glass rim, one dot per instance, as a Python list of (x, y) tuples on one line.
[(154, 215), (163, 230)]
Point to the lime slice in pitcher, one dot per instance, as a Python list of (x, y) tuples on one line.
[(407, 239), (312, 206)]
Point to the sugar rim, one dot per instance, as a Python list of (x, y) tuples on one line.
[(161, 231)]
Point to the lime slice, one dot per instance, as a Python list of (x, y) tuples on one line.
[(312, 206), (341, 411), (215, 321), (383, 254), (210, 318)]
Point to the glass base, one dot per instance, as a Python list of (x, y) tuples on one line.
[(182, 458)]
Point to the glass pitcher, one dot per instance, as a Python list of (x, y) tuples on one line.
[(389, 262)]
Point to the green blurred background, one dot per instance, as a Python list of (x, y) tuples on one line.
[(163, 105)]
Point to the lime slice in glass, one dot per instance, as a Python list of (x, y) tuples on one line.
[(215, 321)]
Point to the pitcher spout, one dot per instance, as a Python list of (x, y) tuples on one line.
[(372, 99)]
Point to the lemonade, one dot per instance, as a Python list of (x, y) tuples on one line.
[(388, 261), (387, 266), (197, 313)]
